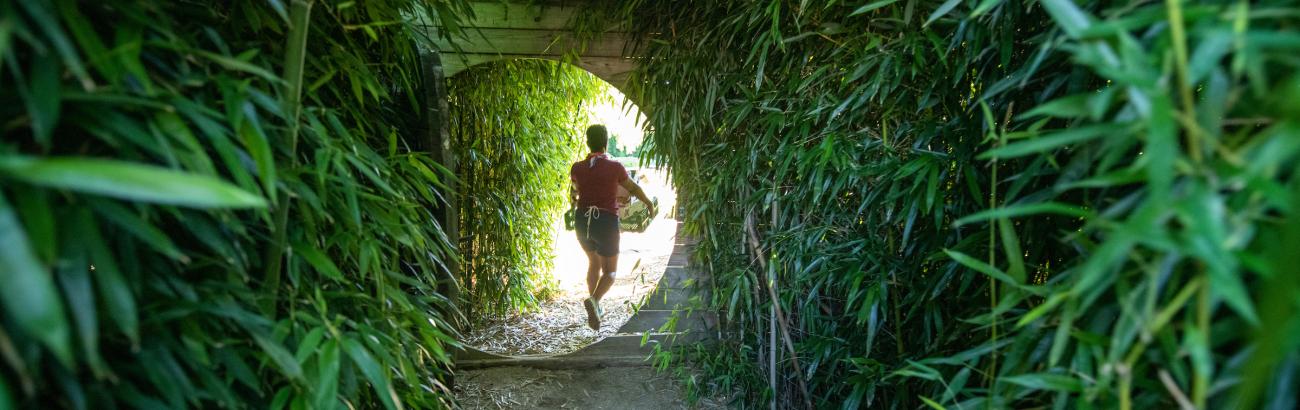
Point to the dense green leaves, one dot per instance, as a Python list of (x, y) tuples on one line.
[(1005, 204), (149, 147)]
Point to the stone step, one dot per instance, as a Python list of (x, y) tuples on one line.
[(664, 298), (650, 320), (630, 343), (676, 277), (556, 362)]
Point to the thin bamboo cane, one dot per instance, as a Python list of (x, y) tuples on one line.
[(777, 312), (296, 51)]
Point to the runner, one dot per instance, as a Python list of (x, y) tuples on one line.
[(596, 180)]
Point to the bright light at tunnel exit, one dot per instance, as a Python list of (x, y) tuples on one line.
[(623, 121)]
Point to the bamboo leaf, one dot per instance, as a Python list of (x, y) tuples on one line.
[(1053, 140), (985, 6), (1051, 303), (43, 97), (280, 356), (871, 6), (1011, 248), (1072, 106), (1018, 210), (1068, 16), (53, 31), (329, 363), (6, 398), (255, 140), (1046, 381), (933, 404), (35, 210), (128, 221), (943, 9), (981, 267), (30, 289), (373, 372), (78, 292), (239, 65), (318, 260), (129, 181), (112, 286)]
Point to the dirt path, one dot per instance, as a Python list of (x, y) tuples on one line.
[(494, 378)]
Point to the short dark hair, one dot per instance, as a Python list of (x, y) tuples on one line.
[(597, 138)]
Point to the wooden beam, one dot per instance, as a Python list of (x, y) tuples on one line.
[(495, 14), (502, 31), (533, 42)]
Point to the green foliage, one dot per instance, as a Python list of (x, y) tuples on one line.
[(155, 168), (616, 150), (995, 203), (516, 127)]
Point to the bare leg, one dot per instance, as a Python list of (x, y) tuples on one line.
[(609, 265), (594, 262)]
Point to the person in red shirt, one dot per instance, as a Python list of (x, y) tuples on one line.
[(596, 180)]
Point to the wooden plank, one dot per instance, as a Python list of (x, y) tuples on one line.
[(533, 42), (498, 15), (494, 14)]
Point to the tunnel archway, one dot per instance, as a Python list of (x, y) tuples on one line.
[(502, 31)]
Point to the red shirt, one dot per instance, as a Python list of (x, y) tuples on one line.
[(598, 179)]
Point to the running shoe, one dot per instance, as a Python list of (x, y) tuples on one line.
[(593, 313)]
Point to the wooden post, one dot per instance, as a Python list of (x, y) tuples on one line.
[(438, 143)]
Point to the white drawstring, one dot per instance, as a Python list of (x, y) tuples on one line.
[(589, 214)]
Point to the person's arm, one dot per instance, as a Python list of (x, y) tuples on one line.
[(635, 190)]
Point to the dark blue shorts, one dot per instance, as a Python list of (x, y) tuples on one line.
[(597, 231)]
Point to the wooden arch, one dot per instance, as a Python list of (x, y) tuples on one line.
[(503, 31)]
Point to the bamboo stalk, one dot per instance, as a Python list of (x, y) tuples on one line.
[(295, 52), (1201, 382), (776, 309), (991, 376), (753, 249), (1179, 41), (1172, 387), (771, 352)]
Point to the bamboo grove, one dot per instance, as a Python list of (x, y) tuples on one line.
[(991, 204), (217, 204), (900, 203), (515, 126)]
